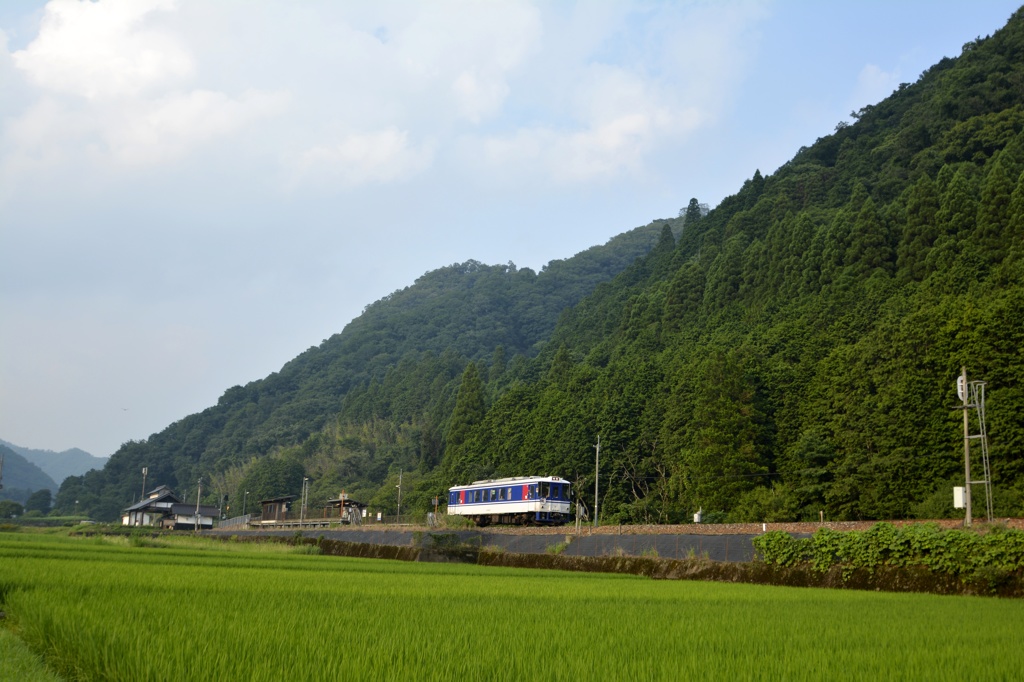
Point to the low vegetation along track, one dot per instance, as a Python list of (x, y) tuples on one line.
[(717, 542)]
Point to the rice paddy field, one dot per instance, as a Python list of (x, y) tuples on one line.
[(108, 609)]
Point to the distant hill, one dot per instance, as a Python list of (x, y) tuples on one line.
[(426, 332), (59, 465), (22, 477)]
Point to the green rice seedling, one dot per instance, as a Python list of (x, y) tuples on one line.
[(219, 613), (17, 662)]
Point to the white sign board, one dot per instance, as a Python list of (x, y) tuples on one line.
[(958, 497)]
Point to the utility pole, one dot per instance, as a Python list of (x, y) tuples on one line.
[(245, 503), (399, 486), (199, 492), (305, 496), (1, 471), (964, 396), (597, 474)]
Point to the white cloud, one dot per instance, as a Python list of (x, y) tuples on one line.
[(166, 128), (368, 158), (618, 117), (478, 96), (873, 85), (103, 49), (104, 86), (620, 103)]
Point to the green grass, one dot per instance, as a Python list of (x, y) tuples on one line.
[(17, 662), (197, 610)]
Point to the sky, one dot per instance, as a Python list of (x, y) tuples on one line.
[(192, 192)]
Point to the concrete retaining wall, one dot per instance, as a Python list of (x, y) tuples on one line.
[(678, 546)]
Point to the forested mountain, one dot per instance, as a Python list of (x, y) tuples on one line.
[(796, 350), (448, 317), (21, 477), (59, 465), (792, 352)]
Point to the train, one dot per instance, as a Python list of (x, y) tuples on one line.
[(522, 500)]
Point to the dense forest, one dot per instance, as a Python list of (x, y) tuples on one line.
[(791, 352)]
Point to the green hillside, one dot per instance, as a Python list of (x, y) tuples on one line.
[(792, 352), (448, 317), (796, 351), (21, 477)]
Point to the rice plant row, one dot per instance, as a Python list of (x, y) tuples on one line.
[(96, 610)]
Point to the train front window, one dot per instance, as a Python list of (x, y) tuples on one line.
[(544, 489)]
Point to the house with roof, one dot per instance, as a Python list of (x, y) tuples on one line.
[(161, 508)]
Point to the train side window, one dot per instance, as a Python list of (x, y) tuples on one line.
[(501, 494), (493, 494), (509, 494)]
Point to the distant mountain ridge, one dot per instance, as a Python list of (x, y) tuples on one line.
[(59, 465), (21, 477)]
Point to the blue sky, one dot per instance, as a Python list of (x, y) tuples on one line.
[(192, 193)]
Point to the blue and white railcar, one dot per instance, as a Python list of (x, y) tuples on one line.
[(520, 500)]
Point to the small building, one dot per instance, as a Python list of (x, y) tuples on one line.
[(276, 508), (183, 517), (345, 509), (150, 509), (161, 508)]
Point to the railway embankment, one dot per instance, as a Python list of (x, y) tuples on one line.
[(725, 557), (723, 548)]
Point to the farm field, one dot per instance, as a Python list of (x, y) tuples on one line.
[(183, 609)]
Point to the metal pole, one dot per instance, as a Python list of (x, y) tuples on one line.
[(597, 475), (399, 486), (199, 491), (967, 450), (302, 509), (145, 470)]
